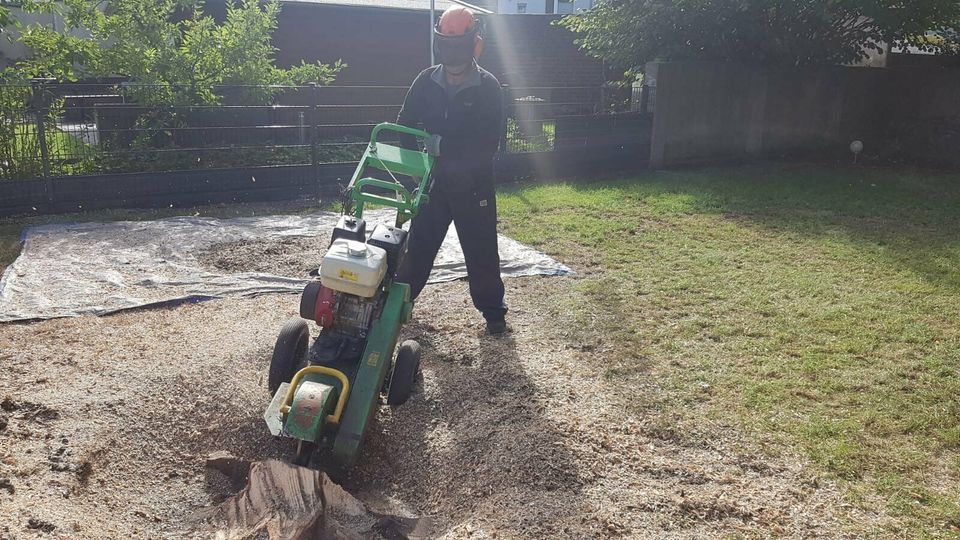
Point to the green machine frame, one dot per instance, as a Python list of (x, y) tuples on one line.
[(341, 405), (393, 160)]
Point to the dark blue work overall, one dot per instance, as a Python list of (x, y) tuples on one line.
[(469, 118)]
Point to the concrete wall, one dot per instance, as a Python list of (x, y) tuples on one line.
[(703, 112), (924, 114), (708, 112), (822, 108), (925, 93)]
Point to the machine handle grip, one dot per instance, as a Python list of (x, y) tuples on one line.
[(383, 184), (388, 126)]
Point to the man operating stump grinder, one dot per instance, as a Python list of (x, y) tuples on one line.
[(460, 105)]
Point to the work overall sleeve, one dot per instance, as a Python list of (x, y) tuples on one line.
[(411, 113)]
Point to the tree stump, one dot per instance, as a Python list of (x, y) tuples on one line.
[(282, 501)]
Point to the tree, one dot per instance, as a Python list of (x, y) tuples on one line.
[(169, 44), (177, 57), (630, 33)]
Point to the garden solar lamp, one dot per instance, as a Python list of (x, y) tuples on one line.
[(856, 147)]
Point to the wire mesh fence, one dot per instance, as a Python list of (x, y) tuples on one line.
[(49, 129)]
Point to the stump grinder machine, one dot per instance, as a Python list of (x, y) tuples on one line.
[(324, 396)]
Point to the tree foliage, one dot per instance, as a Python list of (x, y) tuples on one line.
[(171, 44), (630, 33), (6, 18)]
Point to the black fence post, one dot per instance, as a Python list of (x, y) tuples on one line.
[(505, 96), (314, 129), (41, 104), (41, 109)]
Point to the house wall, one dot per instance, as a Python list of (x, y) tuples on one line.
[(380, 46), (12, 49), (541, 7), (390, 47), (489, 5), (525, 51), (508, 7)]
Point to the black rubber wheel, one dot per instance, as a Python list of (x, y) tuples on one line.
[(289, 353), (405, 370), (308, 300)]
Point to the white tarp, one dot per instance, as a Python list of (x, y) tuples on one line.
[(66, 270)]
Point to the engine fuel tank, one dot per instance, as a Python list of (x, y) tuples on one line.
[(353, 267)]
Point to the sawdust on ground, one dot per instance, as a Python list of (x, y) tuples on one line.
[(105, 424), (290, 256)]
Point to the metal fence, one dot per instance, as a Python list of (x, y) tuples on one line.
[(49, 129)]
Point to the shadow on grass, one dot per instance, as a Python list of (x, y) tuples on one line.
[(903, 217)]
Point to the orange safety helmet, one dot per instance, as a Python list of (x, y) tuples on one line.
[(457, 37)]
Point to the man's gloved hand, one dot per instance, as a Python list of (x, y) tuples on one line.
[(432, 145)]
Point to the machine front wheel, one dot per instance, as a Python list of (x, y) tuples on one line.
[(405, 370), (308, 300), (289, 353)]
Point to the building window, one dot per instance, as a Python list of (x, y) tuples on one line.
[(521, 7), (564, 6)]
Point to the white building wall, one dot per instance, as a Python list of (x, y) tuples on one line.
[(539, 7), (11, 48)]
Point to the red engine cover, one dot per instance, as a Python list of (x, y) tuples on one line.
[(326, 301)]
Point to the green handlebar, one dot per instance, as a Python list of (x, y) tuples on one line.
[(393, 159), (383, 184), (387, 126), (406, 205)]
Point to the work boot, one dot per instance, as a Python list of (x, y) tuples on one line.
[(496, 327)]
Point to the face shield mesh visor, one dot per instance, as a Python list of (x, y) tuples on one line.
[(454, 50)]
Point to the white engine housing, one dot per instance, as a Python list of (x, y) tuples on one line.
[(353, 267)]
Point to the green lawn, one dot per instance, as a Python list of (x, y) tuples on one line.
[(518, 141), (65, 152), (26, 143), (819, 307)]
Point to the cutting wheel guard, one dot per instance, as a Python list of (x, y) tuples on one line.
[(319, 370)]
